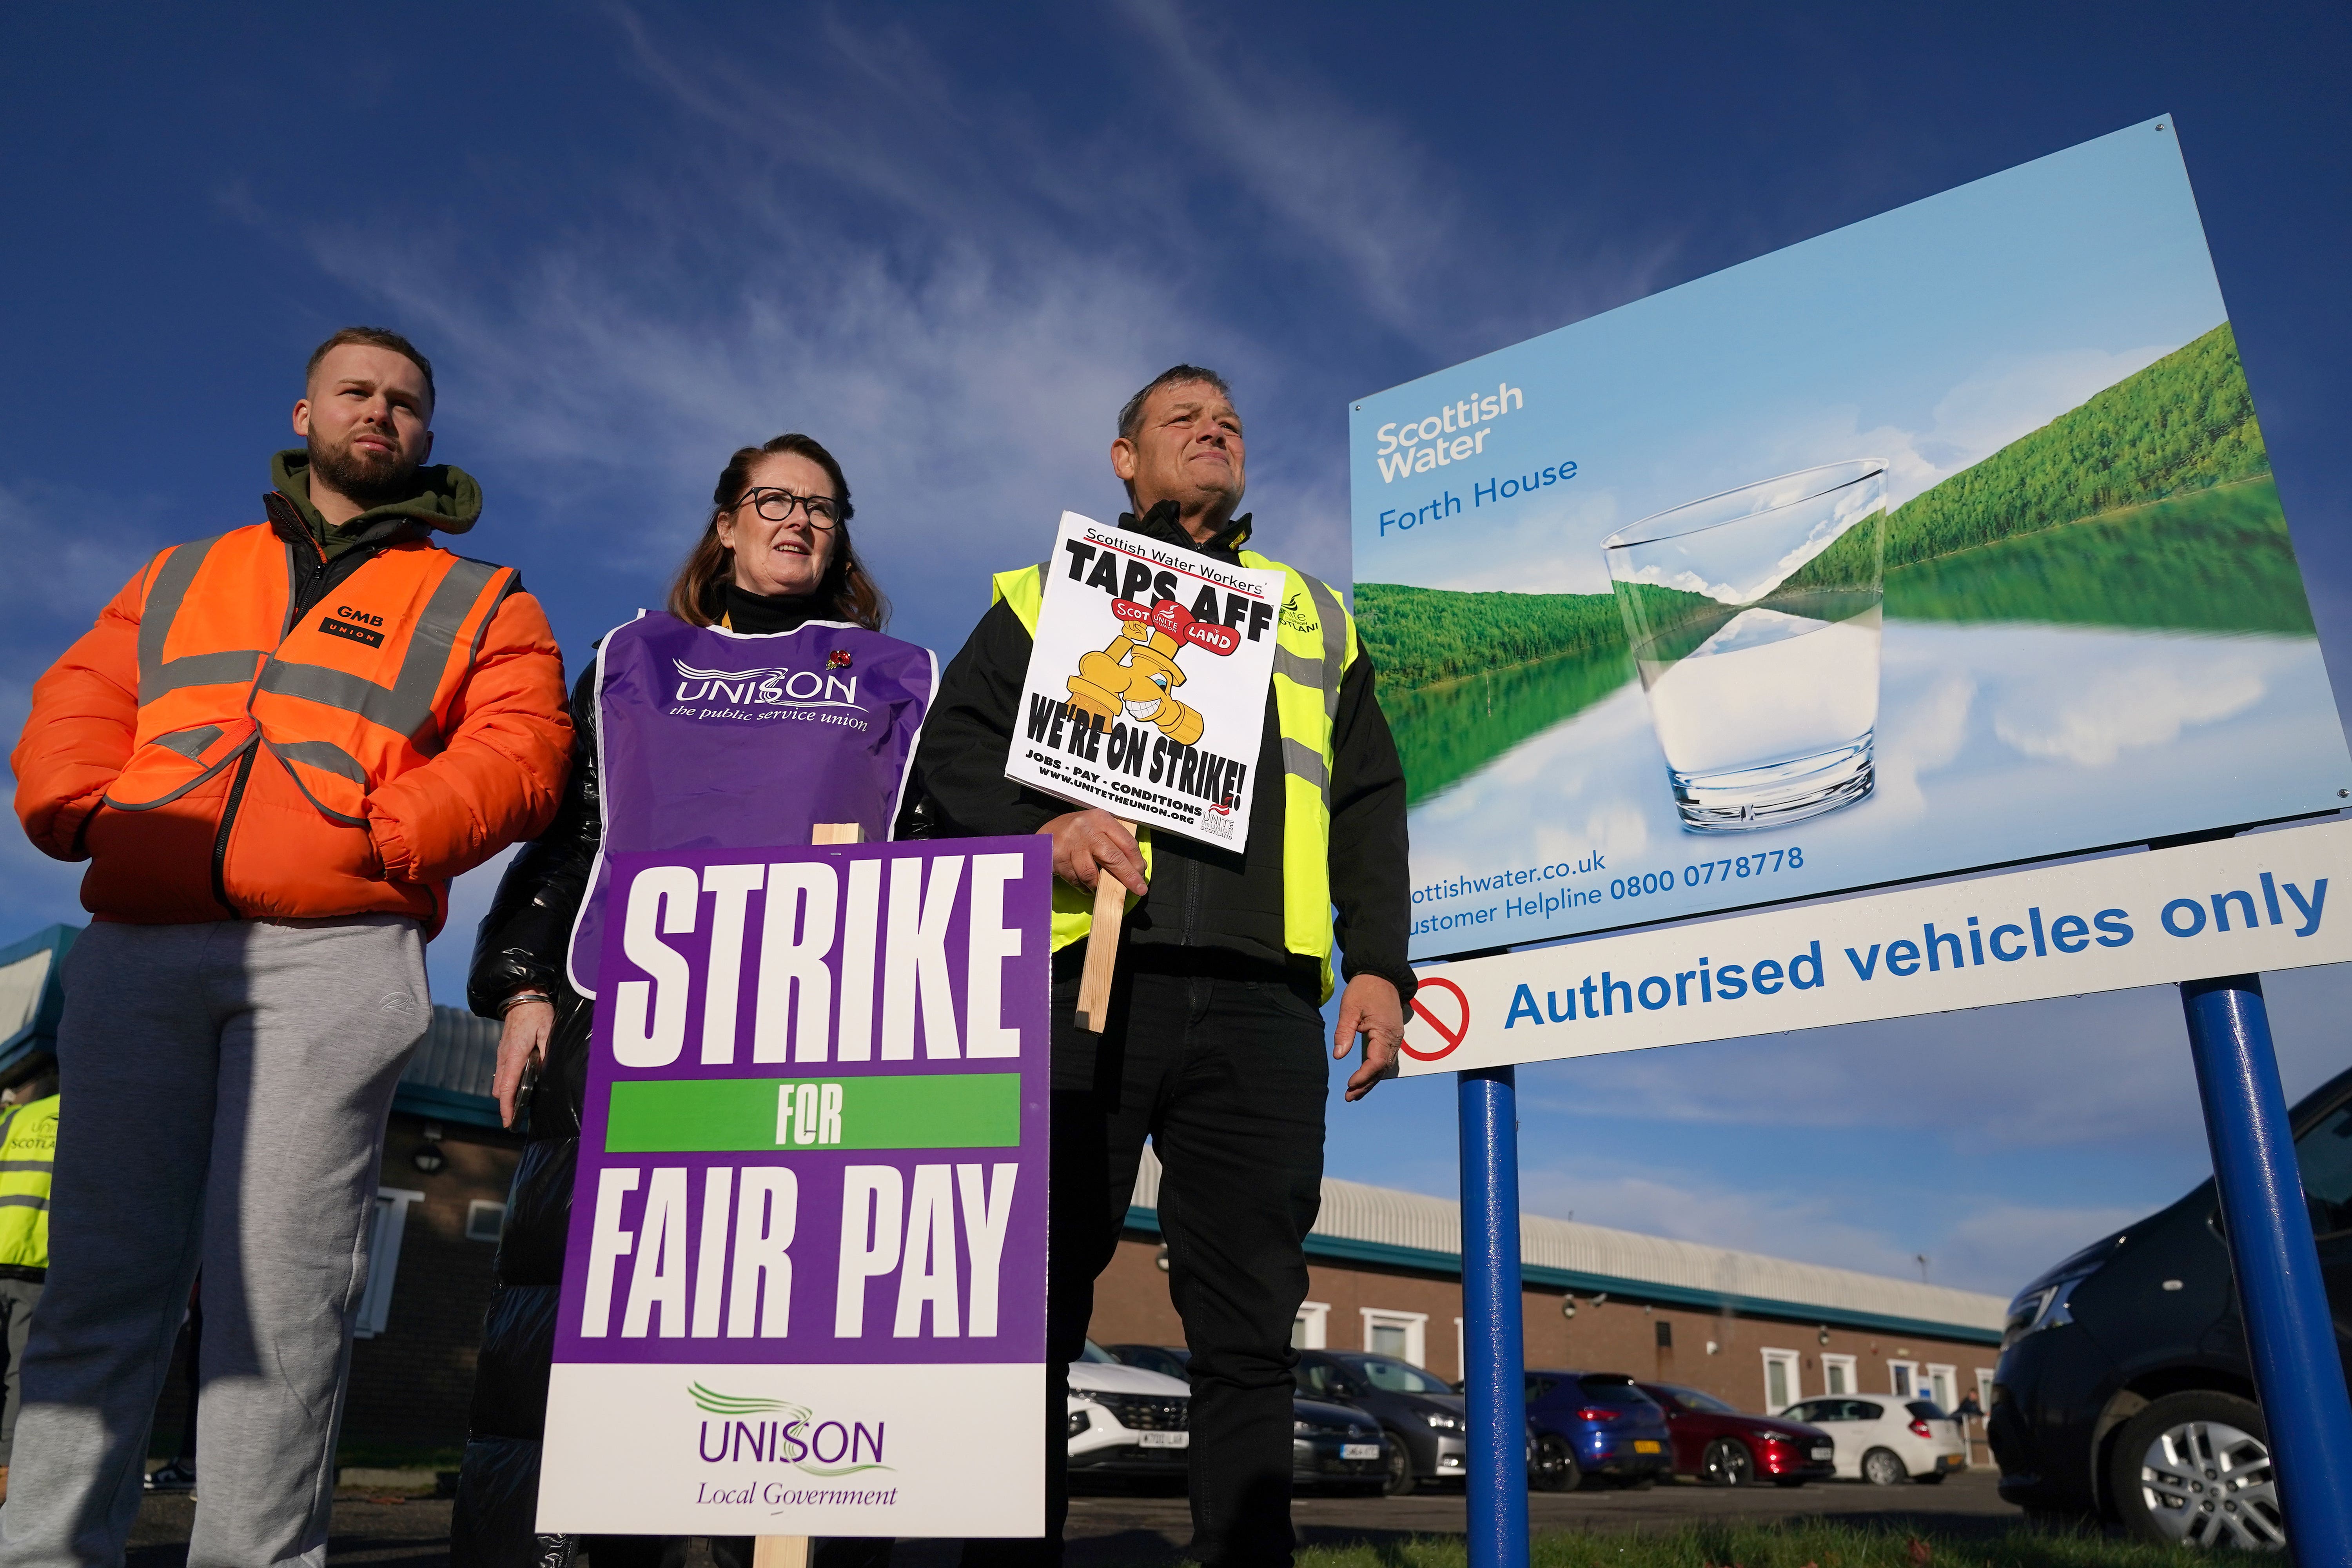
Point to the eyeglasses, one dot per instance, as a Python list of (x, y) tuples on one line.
[(822, 511)]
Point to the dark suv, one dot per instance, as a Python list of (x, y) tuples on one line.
[(2124, 1388), (1422, 1418)]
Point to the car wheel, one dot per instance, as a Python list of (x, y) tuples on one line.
[(1726, 1463), (1882, 1467), (2195, 1469), (1400, 1480), (1554, 1469)]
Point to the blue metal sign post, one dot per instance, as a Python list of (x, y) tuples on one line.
[(1493, 1376), (2289, 1329)]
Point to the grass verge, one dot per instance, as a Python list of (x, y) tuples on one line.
[(1795, 1545)]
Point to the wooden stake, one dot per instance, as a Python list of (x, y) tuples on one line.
[(792, 1551), (782, 1551), (1102, 947)]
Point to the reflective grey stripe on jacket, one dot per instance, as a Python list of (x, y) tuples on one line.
[(156, 677), (405, 706), (1300, 760)]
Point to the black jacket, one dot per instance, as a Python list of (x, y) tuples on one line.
[(1201, 897)]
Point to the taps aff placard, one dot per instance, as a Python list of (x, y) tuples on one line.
[(1148, 682)]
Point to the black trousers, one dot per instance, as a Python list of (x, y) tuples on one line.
[(1226, 1076)]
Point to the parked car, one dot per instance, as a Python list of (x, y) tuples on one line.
[(1583, 1424), (1725, 1446), (1884, 1438), (1126, 1421), (1333, 1447), (1423, 1419), (2124, 1388)]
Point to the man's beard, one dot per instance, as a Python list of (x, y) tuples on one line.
[(372, 481)]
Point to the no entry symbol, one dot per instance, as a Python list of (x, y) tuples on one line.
[(1441, 1019)]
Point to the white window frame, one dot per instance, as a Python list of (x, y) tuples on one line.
[(1845, 1363), (1414, 1324), (1895, 1380), (1795, 1365), (1311, 1329), (386, 1228), (1984, 1389), (481, 1210), (1461, 1352), (1950, 1386)]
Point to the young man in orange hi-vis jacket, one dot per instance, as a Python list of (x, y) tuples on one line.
[(274, 748)]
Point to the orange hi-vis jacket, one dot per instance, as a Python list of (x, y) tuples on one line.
[(216, 757)]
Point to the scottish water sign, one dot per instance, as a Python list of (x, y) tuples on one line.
[(805, 1288), (1945, 541)]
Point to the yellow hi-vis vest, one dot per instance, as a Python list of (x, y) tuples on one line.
[(1315, 642), (28, 1153)]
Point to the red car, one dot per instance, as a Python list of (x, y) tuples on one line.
[(1728, 1448)]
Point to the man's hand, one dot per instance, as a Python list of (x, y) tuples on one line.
[(522, 1041), (1090, 842), (1369, 1008)]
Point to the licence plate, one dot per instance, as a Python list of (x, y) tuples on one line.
[(1359, 1450), (1164, 1439), (1645, 1445), (1824, 1451)]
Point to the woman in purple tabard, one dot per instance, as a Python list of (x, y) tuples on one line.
[(762, 702)]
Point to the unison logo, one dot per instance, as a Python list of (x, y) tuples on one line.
[(772, 688), (778, 1432)]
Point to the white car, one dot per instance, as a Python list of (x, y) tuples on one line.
[(1882, 1438), (1124, 1420)]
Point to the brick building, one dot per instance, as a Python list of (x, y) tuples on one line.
[(1385, 1274)]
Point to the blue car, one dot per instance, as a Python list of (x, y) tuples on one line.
[(1583, 1424)]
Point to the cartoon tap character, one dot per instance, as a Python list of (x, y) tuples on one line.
[(1137, 673)]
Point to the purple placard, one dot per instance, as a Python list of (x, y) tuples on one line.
[(865, 990)]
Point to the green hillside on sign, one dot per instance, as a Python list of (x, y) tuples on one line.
[(2149, 506)]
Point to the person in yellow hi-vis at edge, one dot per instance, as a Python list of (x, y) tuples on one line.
[(29, 1147)]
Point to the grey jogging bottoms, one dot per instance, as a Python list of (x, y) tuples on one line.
[(225, 1091)]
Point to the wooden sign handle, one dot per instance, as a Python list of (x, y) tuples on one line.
[(792, 1551), (1102, 948)]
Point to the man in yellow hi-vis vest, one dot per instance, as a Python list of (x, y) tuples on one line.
[(29, 1148), (1214, 1047)]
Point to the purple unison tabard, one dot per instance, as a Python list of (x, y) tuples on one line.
[(710, 737), (808, 1224)]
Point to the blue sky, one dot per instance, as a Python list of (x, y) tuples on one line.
[(949, 240)]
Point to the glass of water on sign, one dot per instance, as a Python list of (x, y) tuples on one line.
[(1754, 617)]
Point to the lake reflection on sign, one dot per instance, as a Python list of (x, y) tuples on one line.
[(2006, 736)]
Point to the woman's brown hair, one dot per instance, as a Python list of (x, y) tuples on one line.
[(846, 593)]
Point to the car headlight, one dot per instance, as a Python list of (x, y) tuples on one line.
[(1079, 1422), (1772, 1436), (1304, 1428), (1438, 1421), (2043, 1307)]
